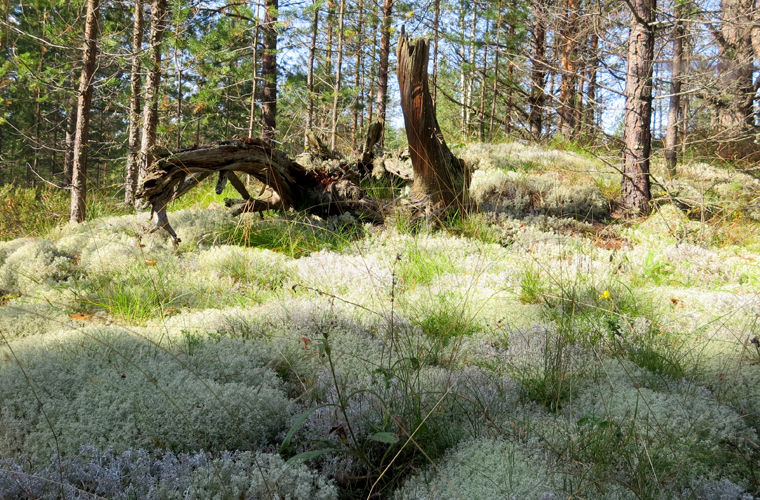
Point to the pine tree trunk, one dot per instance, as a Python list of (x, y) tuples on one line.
[(269, 73), (638, 109), (436, 28), (589, 115), (382, 72), (158, 14), (671, 135), (68, 158), (494, 88), (310, 74), (372, 71), (735, 69), (568, 55), (440, 179), (538, 72), (357, 73), (482, 107), (130, 185), (338, 69), (79, 167), (254, 71)]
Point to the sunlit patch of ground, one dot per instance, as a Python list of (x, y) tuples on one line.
[(540, 349)]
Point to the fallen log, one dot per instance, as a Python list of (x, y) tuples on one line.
[(288, 184)]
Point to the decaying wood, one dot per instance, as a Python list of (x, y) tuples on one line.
[(396, 164), (319, 149), (441, 180), (289, 184), (374, 133)]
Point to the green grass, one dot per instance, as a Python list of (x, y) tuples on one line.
[(28, 212), (292, 235), (419, 267)]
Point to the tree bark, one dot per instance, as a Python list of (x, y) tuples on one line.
[(638, 109), (538, 71), (84, 101), (568, 65), (441, 180), (589, 114), (310, 73), (382, 72), (357, 73), (494, 87), (289, 185), (158, 18), (254, 71), (269, 73), (735, 67), (483, 77), (436, 29), (130, 185), (671, 135), (372, 70), (68, 158), (338, 70)]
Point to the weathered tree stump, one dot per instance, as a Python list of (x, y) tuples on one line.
[(441, 180), (374, 133), (289, 185)]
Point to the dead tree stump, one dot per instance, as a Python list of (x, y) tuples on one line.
[(289, 184), (441, 180)]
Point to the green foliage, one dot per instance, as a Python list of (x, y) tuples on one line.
[(35, 211)]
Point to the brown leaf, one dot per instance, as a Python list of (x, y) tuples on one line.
[(80, 316)]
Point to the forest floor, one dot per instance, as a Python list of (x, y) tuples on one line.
[(538, 348)]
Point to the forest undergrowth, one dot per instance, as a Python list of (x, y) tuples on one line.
[(539, 347)]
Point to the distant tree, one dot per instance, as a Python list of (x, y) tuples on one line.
[(382, 72), (676, 75)]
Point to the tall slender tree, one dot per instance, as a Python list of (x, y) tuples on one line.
[(568, 94), (677, 68), (736, 91), (130, 186), (637, 135), (158, 20), (84, 102), (269, 73), (338, 76), (382, 72), (310, 74), (538, 70)]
